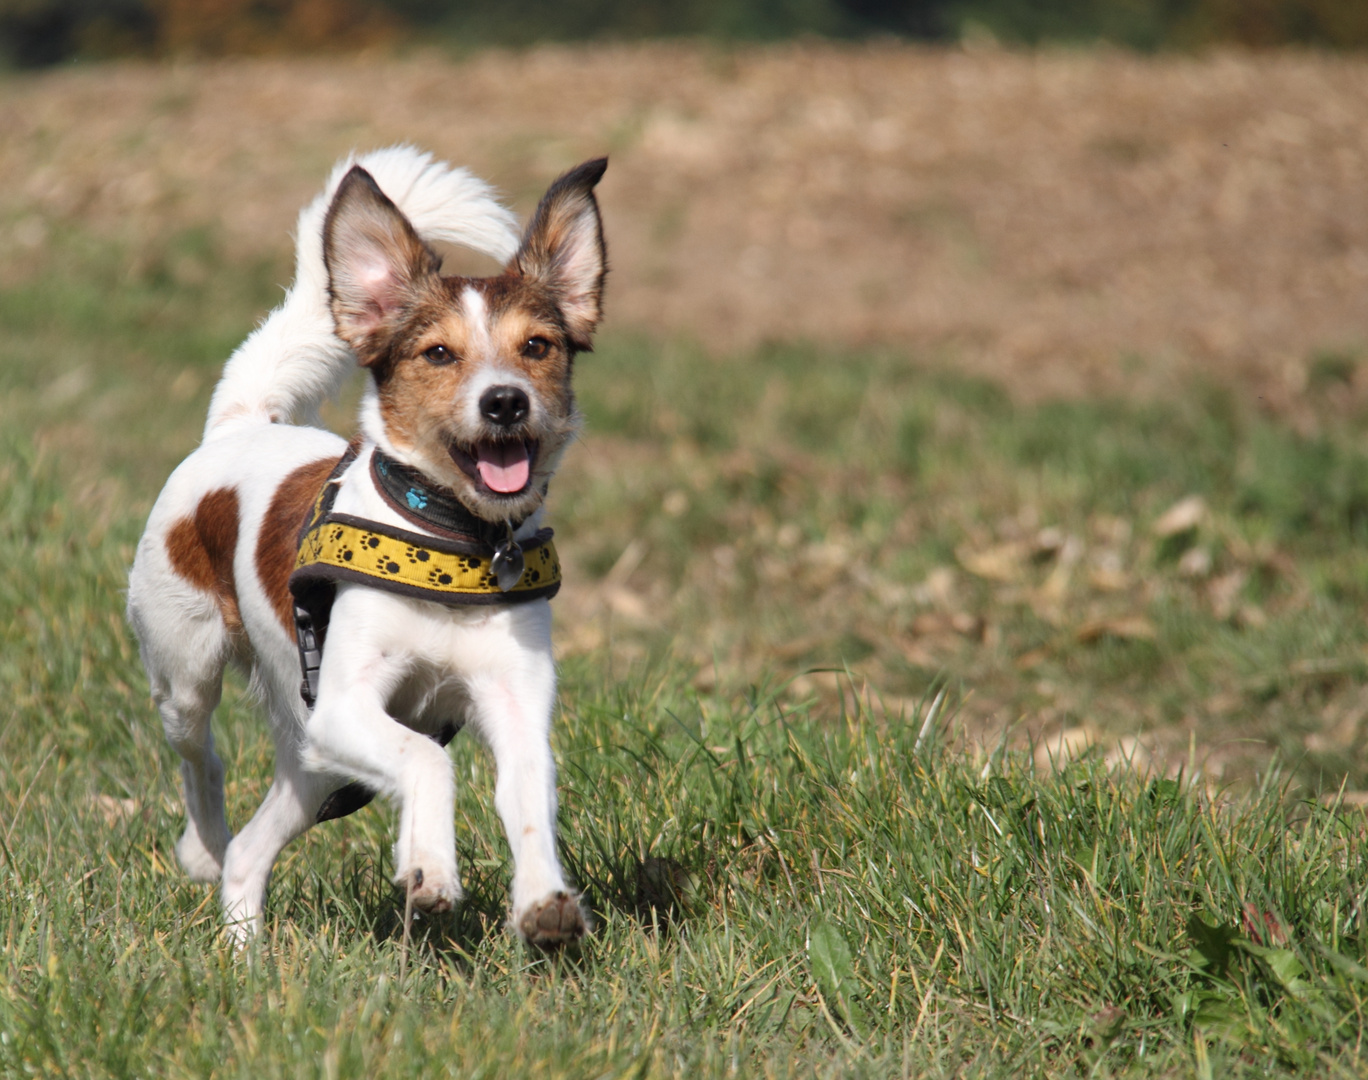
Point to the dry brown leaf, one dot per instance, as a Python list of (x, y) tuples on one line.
[(1031, 659), (1224, 592), (938, 589), (1195, 563), (1127, 627), (1055, 588), (1224, 702), (932, 624), (1005, 562), (115, 810), (1108, 579), (1130, 753), (1180, 517), (1264, 927), (705, 680), (627, 604), (1049, 542), (1357, 799), (918, 655)]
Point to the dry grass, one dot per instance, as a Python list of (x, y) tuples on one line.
[(1067, 221)]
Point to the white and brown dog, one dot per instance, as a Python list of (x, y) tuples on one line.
[(469, 404)]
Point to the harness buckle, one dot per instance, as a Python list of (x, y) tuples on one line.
[(310, 654)]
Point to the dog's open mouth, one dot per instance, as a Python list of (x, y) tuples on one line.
[(503, 468)]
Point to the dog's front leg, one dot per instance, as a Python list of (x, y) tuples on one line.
[(351, 734), (512, 707)]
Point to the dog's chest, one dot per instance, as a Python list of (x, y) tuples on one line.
[(430, 657), (430, 700)]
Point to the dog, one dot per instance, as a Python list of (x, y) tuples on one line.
[(467, 411)]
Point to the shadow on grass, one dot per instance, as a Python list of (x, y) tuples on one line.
[(656, 892)]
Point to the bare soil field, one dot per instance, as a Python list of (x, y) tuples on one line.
[(1071, 222)]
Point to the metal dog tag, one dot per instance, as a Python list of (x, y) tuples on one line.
[(508, 562)]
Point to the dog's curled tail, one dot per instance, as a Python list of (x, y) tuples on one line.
[(294, 361)]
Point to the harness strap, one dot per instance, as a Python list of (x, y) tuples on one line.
[(313, 603)]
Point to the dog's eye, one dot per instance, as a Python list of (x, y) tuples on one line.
[(536, 347), (438, 354)]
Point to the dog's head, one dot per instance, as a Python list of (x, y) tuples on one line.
[(472, 375)]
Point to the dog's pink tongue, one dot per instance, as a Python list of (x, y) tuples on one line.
[(504, 467)]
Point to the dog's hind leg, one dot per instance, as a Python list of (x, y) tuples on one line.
[(185, 718), (290, 807), (185, 657)]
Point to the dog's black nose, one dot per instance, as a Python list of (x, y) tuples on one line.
[(504, 405)]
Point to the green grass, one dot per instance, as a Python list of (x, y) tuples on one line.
[(820, 497), (787, 879)]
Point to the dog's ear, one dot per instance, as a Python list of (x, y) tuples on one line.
[(374, 258), (563, 250)]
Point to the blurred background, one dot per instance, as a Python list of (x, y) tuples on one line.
[(1014, 346), (39, 32)]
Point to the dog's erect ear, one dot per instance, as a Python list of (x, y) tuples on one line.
[(374, 260), (563, 250)]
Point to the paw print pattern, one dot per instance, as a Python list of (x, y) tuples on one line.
[(387, 558), (334, 540)]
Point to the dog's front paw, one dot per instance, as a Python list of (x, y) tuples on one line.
[(553, 922), (431, 890)]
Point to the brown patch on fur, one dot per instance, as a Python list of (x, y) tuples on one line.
[(202, 548), (276, 543)]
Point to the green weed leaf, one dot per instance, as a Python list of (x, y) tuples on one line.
[(1284, 965), (1213, 946), (1164, 792), (833, 968), (830, 958)]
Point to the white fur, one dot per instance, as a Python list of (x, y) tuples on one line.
[(480, 346), (394, 669)]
